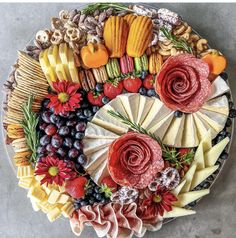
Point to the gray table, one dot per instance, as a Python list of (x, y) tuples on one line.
[(215, 216)]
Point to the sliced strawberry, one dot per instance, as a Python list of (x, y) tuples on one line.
[(76, 187), (183, 151), (148, 82), (112, 88), (95, 98), (132, 84)]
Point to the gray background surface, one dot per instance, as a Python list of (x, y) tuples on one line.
[(215, 216)]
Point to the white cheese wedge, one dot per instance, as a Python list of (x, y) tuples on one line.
[(100, 172), (211, 122), (218, 87), (95, 131), (130, 103), (173, 135), (186, 198), (103, 119), (199, 157), (161, 127), (207, 141), (177, 190), (178, 212), (157, 112), (95, 159), (201, 127), (201, 175), (214, 153), (93, 145), (145, 104), (219, 105), (189, 177), (189, 138), (117, 106)]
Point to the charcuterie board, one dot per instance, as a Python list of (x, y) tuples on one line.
[(118, 117)]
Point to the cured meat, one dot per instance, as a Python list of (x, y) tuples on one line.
[(183, 84), (134, 160)]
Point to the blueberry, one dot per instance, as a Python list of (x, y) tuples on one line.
[(79, 135), (89, 191), (61, 152), (178, 114), (228, 122), (87, 113), (46, 116), (73, 153), (77, 206), (64, 131), (231, 105), (143, 75), (45, 140), (57, 141), (219, 138), (81, 126), (206, 185), (82, 159), (84, 203), (218, 163), (79, 168), (232, 113), (95, 109), (97, 189), (224, 75), (192, 204), (71, 122), (92, 200), (85, 105), (98, 196), (73, 132), (99, 87), (151, 92), (210, 178), (78, 145), (54, 119), (68, 142), (224, 156), (143, 91), (223, 133), (105, 100)]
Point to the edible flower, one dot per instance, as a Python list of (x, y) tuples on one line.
[(65, 98), (54, 170)]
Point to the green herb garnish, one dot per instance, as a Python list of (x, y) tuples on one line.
[(29, 124), (104, 6), (179, 43)]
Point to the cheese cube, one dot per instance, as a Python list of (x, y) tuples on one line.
[(54, 196), (54, 214), (37, 193), (63, 198), (67, 209), (26, 182), (25, 171)]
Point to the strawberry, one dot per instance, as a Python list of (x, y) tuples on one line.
[(112, 88), (76, 187), (95, 98), (108, 186), (148, 82), (132, 84), (183, 151)]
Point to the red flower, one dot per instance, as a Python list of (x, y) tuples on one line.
[(155, 203), (55, 170), (66, 98)]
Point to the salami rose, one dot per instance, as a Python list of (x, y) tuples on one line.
[(134, 160), (183, 84)]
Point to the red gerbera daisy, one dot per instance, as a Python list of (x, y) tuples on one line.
[(55, 170), (155, 203), (65, 98)]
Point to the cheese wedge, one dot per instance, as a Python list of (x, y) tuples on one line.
[(177, 190), (145, 104), (130, 102), (219, 105), (186, 198), (103, 119), (63, 54), (72, 67), (100, 172), (95, 131), (53, 55), (219, 87), (54, 196), (201, 175), (117, 106), (212, 155), (189, 177), (189, 138), (178, 212), (201, 127), (95, 159), (35, 205), (199, 157), (207, 141), (93, 145)]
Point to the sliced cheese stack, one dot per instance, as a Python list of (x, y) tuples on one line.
[(57, 63), (203, 166)]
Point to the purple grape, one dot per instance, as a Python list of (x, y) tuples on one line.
[(71, 122), (79, 135), (46, 116), (50, 148), (60, 123), (45, 140), (57, 141), (54, 119), (43, 126), (51, 130), (64, 114), (64, 131), (61, 152), (78, 145), (73, 153), (82, 159), (81, 126), (68, 142), (41, 150)]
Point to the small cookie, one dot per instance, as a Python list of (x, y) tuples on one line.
[(83, 81), (90, 79)]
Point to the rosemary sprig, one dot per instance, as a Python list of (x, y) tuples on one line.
[(169, 154), (179, 43), (104, 6), (29, 124)]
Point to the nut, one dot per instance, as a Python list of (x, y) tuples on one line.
[(185, 35), (194, 37), (42, 36), (179, 29), (57, 37), (165, 47), (164, 52), (73, 13), (201, 44)]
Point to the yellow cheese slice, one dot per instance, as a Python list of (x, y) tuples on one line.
[(63, 53), (37, 193), (72, 67), (54, 214), (178, 212), (189, 177), (186, 198), (25, 182), (64, 198), (177, 190), (207, 141), (199, 157), (67, 209), (201, 175), (53, 55), (25, 171), (212, 155), (35, 205), (54, 196)]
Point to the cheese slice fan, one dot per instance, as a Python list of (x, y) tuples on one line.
[(178, 212)]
